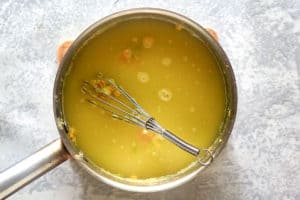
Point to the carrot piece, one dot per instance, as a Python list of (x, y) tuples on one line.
[(101, 84), (62, 49), (213, 33), (116, 93), (145, 136), (126, 55)]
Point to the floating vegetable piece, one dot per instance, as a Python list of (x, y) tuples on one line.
[(72, 135), (101, 83), (62, 49), (102, 87), (126, 55), (116, 93), (213, 33), (106, 90), (145, 136), (130, 55)]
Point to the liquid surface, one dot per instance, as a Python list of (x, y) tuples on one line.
[(171, 75)]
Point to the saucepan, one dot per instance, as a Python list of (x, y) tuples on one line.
[(62, 148)]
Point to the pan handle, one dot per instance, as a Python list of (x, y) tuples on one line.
[(25, 171)]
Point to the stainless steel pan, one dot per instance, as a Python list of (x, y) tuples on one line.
[(61, 149)]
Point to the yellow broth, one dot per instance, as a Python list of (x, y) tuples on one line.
[(170, 73)]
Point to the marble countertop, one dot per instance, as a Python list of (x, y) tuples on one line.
[(262, 40)]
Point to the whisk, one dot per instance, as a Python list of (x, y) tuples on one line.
[(107, 94)]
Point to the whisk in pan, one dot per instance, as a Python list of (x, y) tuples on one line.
[(106, 94)]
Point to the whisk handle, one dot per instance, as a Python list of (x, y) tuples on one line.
[(180, 143), (153, 125), (189, 148)]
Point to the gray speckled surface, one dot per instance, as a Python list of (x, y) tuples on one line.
[(262, 39)]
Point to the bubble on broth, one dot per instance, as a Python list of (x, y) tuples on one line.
[(165, 94), (148, 42), (166, 61), (143, 77)]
